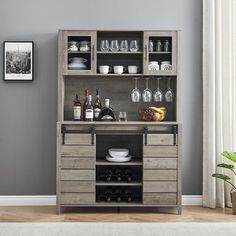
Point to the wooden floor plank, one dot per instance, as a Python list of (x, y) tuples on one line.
[(48, 214)]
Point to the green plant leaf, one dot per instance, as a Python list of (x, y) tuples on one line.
[(227, 166), (230, 155), (221, 176)]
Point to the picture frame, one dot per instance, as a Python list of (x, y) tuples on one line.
[(18, 60)]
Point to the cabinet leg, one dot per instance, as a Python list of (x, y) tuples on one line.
[(179, 210)]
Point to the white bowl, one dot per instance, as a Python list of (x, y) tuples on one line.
[(118, 152), (118, 159)]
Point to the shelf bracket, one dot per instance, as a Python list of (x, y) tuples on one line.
[(92, 130), (175, 133), (145, 130), (63, 131)]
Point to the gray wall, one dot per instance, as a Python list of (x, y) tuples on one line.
[(28, 110)]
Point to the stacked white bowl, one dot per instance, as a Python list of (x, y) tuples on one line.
[(118, 155)]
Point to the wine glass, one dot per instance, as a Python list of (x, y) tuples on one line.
[(147, 93), (104, 46), (169, 95), (135, 94), (133, 47), (114, 45), (124, 46), (157, 94)]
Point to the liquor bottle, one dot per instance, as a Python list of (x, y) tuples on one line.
[(108, 174), (118, 174), (85, 103), (77, 108), (128, 195), (118, 194), (128, 174), (97, 107), (107, 113), (89, 109)]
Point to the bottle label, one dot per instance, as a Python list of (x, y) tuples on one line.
[(77, 112), (89, 114), (97, 112)]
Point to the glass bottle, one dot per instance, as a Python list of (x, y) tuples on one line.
[(77, 108), (107, 113), (85, 103), (89, 110), (97, 106), (108, 174)]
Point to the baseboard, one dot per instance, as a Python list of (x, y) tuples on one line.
[(50, 200)]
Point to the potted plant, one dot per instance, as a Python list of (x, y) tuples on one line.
[(232, 157)]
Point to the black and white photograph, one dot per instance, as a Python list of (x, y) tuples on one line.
[(18, 60)]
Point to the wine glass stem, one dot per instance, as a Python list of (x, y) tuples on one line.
[(146, 83), (158, 83), (136, 83), (169, 83)]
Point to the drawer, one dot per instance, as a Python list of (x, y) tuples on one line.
[(160, 198), (159, 187), (160, 163), (77, 198), (160, 150), (78, 175), (79, 139), (160, 139), (78, 186), (153, 175), (83, 151), (77, 163)]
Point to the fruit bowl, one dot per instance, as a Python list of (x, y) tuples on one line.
[(118, 152), (153, 114)]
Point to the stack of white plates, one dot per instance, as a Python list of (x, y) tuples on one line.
[(118, 155)]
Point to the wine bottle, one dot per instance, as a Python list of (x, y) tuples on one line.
[(89, 109), (108, 194), (118, 174), (108, 174), (97, 107), (106, 113), (85, 103), (77, 108), (118, 195), (128, 174), (128, 195)]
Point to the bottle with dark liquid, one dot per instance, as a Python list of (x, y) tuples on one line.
[(77, 108), (107, 113), (85, 103), (118, 174), (128, 195), (108, 194), (108, 174), (97, 106), (89, 109), (128, 174), (118, 195)]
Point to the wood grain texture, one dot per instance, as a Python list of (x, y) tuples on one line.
[(78, 163), (78, 186), (154, 175), (101, 214), (77, 198), (79, 139), (159, 187), (160, 151), (160, 139), (160, 198), (77, 174), (79, 151), (160, 163)]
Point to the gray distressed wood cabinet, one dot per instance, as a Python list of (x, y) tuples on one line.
[(82, 146)]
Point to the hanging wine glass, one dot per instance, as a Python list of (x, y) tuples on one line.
[(135, 94), (169, 95), (157, 94), (147, 93)]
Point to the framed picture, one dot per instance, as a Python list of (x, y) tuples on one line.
[(18, 60)]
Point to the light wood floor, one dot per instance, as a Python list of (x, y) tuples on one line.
[(48, 214)]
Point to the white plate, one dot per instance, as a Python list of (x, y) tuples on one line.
[(118, 159)]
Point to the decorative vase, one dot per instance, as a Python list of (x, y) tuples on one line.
[(233, 200)]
